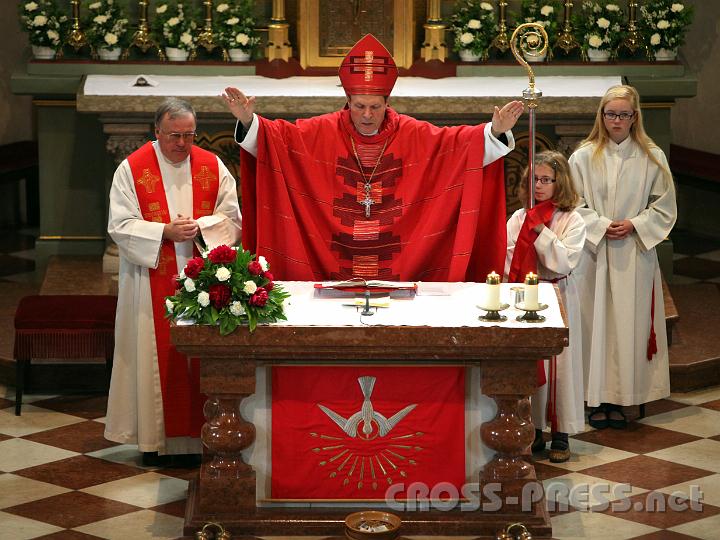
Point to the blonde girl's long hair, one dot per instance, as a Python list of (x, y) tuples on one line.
[(565, 197), (599, 135)]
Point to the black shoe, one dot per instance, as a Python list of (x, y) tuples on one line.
[(559, 448), (538, 444), (598, 417), (152, 459), (616, 417)]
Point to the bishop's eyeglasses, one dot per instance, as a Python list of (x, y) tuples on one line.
[(621, 116), (188, 136), (544, 179)]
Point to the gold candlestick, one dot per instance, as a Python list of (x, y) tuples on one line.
[(633, 41), (434, 46), (206, 38), (76, 37), (566, 40), (142, 38), (278, 47), (501, 42)]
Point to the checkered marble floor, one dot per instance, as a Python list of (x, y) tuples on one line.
[(60, 479)]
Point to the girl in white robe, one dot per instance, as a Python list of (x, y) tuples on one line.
[(628, 204), (558, 246)]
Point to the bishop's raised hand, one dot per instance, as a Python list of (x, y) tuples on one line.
[(504, 119), (241, 106)]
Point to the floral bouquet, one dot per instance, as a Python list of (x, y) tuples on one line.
[(43, 22), (227, 286), (664, 23), (474, 25), (235, 26), (107, 25), (599, 25), (544, 13), (174, 25)]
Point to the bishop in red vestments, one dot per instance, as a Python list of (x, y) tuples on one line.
[(367, 192)]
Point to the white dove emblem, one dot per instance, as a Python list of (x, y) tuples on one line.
[(366, 414)]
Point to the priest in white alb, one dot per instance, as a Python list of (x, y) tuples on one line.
[(163, 196)]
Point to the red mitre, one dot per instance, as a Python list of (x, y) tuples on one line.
[(368, 69)]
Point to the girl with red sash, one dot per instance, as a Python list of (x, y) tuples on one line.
[(548, 240)]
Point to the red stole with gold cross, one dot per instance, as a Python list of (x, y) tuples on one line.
[(179, 376)]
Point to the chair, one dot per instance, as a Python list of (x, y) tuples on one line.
[(62, 326)]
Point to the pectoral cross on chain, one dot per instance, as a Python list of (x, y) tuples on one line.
[(367, 202)]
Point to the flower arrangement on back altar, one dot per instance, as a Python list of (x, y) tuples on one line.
[(229, 287)]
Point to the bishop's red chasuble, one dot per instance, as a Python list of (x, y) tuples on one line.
[(436, 214), (410, 203)]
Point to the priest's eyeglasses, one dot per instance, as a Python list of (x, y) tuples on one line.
[(188, 136), (544, 180), (621, 116)]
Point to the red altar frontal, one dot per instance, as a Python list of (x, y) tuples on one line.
[(438, 327)]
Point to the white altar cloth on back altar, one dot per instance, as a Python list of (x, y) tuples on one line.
[(255, 85)]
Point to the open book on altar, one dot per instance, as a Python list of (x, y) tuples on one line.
[(359, 285)]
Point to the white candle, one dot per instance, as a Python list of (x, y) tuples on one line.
[(531, 292), (492, 292)]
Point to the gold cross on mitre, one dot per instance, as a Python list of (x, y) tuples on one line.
[(148, 180), (204, 176), (369, 60)]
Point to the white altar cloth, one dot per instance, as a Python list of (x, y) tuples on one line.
[(435, 304), (254, 85)]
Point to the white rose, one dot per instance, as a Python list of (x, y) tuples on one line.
[(39, 20), (110, 38), (474, 24), (30, 6), (232, 20), (662, 25), (173, 21), (161, 9), (486, 6), (222, 273), (466, 38), (189, 285), (242, 39), (54, 36), (263, 263), (100, 19), (250, 287), (546, 10), (203, 299), (595, 41), (94, 5), (675, 7), (186, 38), (169, 305), (655, 39), (237, 309), (612, 7), (182, 274), (602, 22), (221, 8)]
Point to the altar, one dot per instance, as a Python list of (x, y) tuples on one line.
[(437, 326)]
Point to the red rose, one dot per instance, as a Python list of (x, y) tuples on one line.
[(193, 267), (269, 286), (268, 276), (220, 295), (222, 254), (254, 268), (260, 298)]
